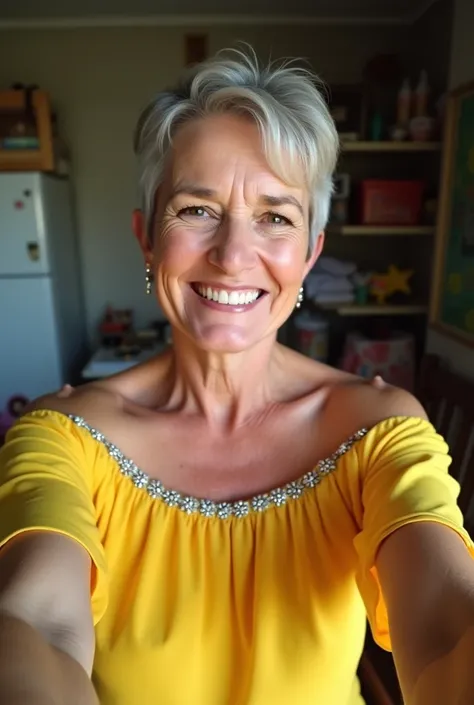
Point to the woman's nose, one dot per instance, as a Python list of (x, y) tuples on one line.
[(234, 248)]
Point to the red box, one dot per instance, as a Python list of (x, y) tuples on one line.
[(391, 202)]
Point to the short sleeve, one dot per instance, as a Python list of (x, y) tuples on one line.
[(404, 467), (46, 483)]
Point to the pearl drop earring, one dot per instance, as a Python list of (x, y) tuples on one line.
[(300, 298), (148, 278)]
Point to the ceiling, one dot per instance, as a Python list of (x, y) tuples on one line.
[(24, 13)]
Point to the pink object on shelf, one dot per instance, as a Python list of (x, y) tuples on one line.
[(392, 359)]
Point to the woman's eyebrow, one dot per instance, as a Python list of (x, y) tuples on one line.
[(276, 201), (194, 190), (203, 192)]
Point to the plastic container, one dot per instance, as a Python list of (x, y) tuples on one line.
[(422, 129), (391, 202), (312, 336)]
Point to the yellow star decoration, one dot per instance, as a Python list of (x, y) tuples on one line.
[(384, 285), (470, 320)]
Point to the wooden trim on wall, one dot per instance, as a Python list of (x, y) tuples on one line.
[(444, 215), (454, 333), (200, 20)]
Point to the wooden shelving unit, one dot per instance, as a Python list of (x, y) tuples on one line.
[(408, 247), (387, 146), (41, 159), (363, 149), (374, 309), (382, 230)]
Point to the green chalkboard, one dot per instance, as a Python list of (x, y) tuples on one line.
[(453, 300)]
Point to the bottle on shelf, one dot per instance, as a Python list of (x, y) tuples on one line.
[(404, 103), (422, 126), (422, 94)]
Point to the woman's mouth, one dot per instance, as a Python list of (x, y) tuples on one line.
[(227, 297)]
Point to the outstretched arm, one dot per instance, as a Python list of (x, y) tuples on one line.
[(46, 630), (427, 577)]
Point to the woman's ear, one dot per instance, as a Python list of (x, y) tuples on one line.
[(315, 253), (140, 231)]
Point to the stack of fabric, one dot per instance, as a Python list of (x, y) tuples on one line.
[(330, 281)]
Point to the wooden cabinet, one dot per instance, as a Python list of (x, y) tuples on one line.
[(12, 103)]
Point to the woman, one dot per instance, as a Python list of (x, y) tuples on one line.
[(272, 502)]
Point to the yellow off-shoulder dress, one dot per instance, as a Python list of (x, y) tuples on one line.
[(259, 602)]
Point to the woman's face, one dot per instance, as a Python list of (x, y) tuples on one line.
[(230, 238)]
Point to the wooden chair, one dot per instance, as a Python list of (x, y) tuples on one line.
[(378, 676), (449, 402)]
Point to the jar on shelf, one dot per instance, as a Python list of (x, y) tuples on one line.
[(312, 334)]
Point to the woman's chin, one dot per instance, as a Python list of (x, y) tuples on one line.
[(225, 338)]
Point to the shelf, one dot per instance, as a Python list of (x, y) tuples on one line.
[(377, 230), (20, 160), (374, 309), (387, 146)]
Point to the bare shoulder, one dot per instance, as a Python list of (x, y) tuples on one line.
[(352, 402), (107, 402), (308, 374), (94, 402), (365, 403)]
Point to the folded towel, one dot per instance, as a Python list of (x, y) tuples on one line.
[(320, 282), (334, 266), (334, 298), (319, 278), (337, 285)]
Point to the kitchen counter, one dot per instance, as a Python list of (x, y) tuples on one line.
[(105, 361)]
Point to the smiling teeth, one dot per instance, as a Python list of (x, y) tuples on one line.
[(233, 298)]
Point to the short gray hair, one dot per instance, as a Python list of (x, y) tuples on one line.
[(286, 103)]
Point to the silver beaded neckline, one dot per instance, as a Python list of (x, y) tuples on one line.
[(222, 510)]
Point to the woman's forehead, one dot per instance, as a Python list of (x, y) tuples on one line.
[(216, 152)]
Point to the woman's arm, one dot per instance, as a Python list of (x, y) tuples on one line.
[(427, 577), (46, 632)]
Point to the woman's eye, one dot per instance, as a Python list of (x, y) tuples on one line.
[(277, 219), (195, 211)]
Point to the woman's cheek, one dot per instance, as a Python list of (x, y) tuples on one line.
[(176, 246), (287, 258)]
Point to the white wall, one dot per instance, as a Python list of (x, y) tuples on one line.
[(99, 79), (460, 357)]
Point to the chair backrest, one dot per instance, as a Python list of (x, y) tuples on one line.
[(448, 399)]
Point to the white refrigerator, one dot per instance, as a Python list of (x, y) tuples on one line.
[(42, 323)]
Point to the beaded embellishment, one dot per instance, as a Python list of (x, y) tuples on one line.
[(222, 510)]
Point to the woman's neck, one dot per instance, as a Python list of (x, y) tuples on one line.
[(229, 389)]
